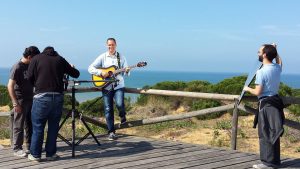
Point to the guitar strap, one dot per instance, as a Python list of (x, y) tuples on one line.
[(119, 62)]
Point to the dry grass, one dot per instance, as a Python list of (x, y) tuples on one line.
[(4, 109), (205, 134)]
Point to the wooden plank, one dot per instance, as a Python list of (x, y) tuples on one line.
[(206, 162), (291, 163), (128, 153), (141, 157), (111, 161), (136, 152), (157, 158), (165, 163), (243, 165), (83, 157), (229, 162)]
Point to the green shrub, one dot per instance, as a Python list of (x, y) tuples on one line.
[(92, 107), (4, 96), (169, 85), (95, 107), (223, 125), (230, 86), (198, 86)]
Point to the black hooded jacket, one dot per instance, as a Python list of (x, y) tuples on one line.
[(46, 71)]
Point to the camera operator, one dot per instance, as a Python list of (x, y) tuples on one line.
[(46, 72)]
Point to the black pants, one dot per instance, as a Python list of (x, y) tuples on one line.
[(269, 153)]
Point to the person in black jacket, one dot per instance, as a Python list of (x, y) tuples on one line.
[(46, 72), (270, 117)]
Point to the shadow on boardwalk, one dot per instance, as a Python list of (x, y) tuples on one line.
[(136, 152)]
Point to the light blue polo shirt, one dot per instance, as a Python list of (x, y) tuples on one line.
[(269, 78)]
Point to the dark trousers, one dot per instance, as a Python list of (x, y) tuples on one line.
[(21, 122), (269, 153)]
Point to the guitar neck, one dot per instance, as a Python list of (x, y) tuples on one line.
[(124, 69)]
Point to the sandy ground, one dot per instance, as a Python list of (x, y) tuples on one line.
[(4, 109)]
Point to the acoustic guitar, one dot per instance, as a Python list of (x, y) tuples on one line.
[(112, 71)]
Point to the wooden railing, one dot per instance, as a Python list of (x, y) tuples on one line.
[(212, 96), (197, 95)]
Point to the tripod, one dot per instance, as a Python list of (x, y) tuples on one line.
[(74, 114)]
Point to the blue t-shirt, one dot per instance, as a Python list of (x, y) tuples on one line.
[(269, 78)]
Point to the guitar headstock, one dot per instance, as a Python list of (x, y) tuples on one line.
[(141, 64)]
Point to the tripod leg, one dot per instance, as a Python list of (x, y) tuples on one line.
[(63, 122), (90, 131), (60, 126), (73, 133)]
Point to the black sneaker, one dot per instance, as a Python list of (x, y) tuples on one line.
[(123, 120)]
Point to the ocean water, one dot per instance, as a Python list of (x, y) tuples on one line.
[(139, 79)]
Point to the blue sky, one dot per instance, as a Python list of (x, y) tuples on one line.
[(171, 35)]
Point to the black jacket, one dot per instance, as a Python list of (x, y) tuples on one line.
[(46, 72), (275, 101), (270, 118)]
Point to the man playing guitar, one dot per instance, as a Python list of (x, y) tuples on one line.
[(111, 92)]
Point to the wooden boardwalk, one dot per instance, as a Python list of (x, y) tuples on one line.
[(135, 152)]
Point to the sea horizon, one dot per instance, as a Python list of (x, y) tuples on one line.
[(141, 78)]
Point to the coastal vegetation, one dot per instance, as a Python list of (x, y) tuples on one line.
[(215, 128)]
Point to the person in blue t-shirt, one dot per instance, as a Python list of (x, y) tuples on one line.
[(270, 116)]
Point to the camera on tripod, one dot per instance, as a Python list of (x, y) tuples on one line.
[(74, 113)]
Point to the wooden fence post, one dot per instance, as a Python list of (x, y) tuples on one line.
[(234, 126)]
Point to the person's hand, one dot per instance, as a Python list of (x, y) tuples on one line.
[(104, 74), (17, 108), (127, 69), (246, 88), (274, 44)]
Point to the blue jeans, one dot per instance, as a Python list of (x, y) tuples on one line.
[(108, 97), (45, 108)]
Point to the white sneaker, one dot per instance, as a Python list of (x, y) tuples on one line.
[(261, 166), (112, 136), (20, 153), (34, 159), (27, 152)]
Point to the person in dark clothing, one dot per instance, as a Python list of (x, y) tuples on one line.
[(21, 93), (270, 117), (46, 72)]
